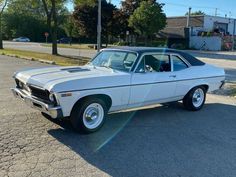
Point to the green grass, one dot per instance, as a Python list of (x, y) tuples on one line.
[(73, 46), (58, 59)]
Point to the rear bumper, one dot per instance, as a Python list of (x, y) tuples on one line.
[(53, 111)]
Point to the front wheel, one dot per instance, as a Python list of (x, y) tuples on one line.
[(195, 99), (89, 115)]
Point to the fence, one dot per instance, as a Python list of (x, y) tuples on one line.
[(213, 43)]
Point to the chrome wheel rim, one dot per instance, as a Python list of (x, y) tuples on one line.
[(93, 116), (198, 97)]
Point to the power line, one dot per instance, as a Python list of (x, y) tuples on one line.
[(216, 13), (184, 5)]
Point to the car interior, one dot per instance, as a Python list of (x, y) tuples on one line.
[(156, 63)]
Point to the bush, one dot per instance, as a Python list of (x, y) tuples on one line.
[(209, 34), (159, 44)]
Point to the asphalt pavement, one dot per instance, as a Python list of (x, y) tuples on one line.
[(165, 141), (37, 47)]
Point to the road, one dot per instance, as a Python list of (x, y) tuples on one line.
[(37, 47), (166, 141)]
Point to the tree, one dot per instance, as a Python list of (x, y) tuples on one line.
[(85, 2), (52, 8), (28, 18), (3, 4), (86, 18), (196, 13), (129, 6), (120, 24), (127, 9), (70, 28), (148, 19)]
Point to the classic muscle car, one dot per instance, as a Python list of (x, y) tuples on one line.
[(118, 79)]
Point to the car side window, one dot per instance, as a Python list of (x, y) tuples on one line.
[(155, 63), (178, 64)]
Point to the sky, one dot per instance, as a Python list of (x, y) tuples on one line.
[(180, 7)]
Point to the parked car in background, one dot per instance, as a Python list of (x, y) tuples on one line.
[(118, 79), (21, 39), (65, 40)]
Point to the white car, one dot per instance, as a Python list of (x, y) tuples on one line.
[(21, 39), (118, 79)]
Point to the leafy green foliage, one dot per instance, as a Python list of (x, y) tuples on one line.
[(28, 18), (129, 6), (86, 15), (148, 18), (71, 29), (85, 2)]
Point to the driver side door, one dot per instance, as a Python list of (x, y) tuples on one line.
[(153, 80)]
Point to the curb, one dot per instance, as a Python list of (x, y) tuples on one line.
[(31, 59)]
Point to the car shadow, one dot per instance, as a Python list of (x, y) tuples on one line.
[(162, 141)]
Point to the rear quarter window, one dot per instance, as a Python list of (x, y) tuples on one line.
[(178, 64)]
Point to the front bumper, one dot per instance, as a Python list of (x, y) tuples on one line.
[(53, 111)]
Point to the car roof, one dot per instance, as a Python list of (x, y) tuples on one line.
[(140, 50)]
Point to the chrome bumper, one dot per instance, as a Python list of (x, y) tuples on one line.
[(54, 112)]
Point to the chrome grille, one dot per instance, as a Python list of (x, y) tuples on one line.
[(34, 91), (39, 93)]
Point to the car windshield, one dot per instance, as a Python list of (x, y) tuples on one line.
[(118, 60)]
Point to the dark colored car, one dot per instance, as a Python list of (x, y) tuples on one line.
[(65, 40)]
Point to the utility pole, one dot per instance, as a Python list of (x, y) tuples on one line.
[(188, 18), (216, 12), (99, 27), (233, 36), (188, 28)]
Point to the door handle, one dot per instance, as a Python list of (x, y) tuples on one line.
[(174, 76)]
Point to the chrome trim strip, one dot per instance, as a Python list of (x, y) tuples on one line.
[(140, 84)]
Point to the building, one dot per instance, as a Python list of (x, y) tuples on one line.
[(216, 24), (176, 30)]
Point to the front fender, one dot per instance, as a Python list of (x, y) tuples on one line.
[(119, 97)]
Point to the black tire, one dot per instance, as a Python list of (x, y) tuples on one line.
[(76, 117), (188, 99)]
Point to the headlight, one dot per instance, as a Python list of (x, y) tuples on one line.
[(21, 85), (52, 97)]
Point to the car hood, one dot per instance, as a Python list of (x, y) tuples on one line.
[(55, 78)]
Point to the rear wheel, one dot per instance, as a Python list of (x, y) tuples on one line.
[(89, 115), (195, 99)]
